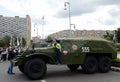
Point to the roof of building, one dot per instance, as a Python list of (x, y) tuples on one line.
[(85, 38)]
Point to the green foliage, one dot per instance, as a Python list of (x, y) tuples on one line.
[(116, 60), (6, 40), (49, 38), (118, 35), (117, 46), (108, 36), (2, 43), (23, 42)]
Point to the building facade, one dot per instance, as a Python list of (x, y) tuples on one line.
[(16, 26), (80, 33), (36, 39)]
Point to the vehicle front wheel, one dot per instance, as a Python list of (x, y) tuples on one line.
[(21, 68), (73, 67), (35, 68)]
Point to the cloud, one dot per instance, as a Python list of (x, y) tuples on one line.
[(109, 15), (85, 14), (35, 8), (115, 12), (12, 6), (31, 7), (107, 21), (79, 7)]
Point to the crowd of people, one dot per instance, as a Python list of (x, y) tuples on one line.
[(9, 53), (5, 53)]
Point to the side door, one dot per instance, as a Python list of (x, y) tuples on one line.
[(72, 52), (66, 53)]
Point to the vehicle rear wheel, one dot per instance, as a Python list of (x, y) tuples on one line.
[(104, 64), (35, 68), (90, 65), (73, 67), (21, 68)]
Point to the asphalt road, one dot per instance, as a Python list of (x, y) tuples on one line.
[(59, 73)]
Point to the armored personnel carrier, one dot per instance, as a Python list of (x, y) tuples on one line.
[(92, 54)]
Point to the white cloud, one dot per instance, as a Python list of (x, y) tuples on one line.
[(85, 14), (11, 5)]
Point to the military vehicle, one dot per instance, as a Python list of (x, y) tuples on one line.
[(92, 54)]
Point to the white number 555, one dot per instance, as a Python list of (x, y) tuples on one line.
[(85, 49)]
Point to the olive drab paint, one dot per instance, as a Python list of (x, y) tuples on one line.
[(74, 52)]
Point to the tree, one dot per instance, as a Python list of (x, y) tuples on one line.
[(118, 35), (2, 43), (6, 40), (108, 36), (49, 38), (23, 41)]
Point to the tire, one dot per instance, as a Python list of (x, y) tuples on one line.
[(104, 64), (90, 65), (21, 68), (35, 69), (73, 67)]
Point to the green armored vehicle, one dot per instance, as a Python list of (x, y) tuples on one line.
[(92, 54)]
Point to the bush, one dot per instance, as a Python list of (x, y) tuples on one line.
[(117, 46), (2, 43), (116, 60)]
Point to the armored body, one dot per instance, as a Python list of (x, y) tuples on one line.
[(92, 54)]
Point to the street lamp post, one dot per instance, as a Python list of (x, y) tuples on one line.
[(35, 26), (65, 4), (74, 35), (73, 25), (43, 27)]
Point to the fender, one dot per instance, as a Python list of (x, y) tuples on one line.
[(52, 60)]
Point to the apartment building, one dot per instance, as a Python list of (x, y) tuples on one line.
[(18, 26), (80, 33)]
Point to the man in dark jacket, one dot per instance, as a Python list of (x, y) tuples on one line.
[(10, 57)]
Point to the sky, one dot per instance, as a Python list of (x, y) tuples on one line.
[(85, 14)]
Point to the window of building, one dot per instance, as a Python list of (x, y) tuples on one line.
[(64, 34), (98, 34)]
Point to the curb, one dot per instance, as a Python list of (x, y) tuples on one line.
[(117, 69)]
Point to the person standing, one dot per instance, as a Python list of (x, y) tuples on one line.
[(4, 54), (11, 56)]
